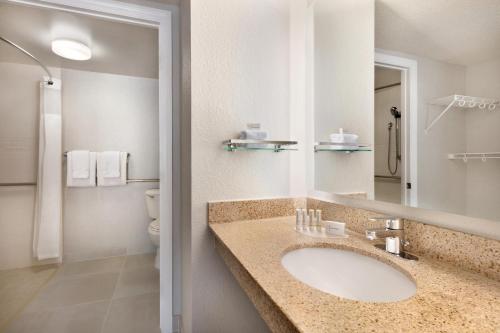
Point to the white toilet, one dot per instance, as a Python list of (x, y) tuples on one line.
[(152, 203)]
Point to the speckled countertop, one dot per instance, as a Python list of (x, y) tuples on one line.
[(448, 299)]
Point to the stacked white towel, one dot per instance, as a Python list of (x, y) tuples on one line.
[(81, 168), (112, 168)]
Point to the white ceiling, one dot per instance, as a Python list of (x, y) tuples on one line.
[(461, 32), (117, 48)]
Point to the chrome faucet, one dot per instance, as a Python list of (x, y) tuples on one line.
[(393, 234)]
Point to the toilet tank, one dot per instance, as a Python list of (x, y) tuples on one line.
[(152, 203)]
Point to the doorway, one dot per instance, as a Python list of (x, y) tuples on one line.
[(396, 105), (388, 134), (161, 20)]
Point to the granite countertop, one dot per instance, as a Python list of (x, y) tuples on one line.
[(448, 299)]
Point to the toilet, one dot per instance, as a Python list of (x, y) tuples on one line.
[(152, 203)]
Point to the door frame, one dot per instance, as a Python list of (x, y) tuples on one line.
[(161, 18), (409, 71)]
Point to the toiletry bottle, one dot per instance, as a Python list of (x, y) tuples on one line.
[(305, 220), (312, 221), (298, 219), (319, 220)]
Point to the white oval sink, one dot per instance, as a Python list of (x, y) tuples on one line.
[(348, 274)]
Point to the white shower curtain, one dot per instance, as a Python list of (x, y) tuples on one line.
[(47, 237)]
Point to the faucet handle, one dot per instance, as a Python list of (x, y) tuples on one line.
[(391, 222)]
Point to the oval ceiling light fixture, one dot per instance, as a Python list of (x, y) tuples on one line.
[(71, 49)]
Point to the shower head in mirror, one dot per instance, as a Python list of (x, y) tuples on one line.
[(395, 112)]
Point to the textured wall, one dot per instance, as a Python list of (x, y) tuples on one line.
[(240, 72)]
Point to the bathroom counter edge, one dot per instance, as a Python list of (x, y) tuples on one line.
[(447, 299)]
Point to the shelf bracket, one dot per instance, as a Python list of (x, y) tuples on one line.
[(428, 128)]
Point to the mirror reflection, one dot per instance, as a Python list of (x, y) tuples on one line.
[(406, 102)]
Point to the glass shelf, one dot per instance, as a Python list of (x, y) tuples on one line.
[(260, 148), (329, 146), (262, 145)]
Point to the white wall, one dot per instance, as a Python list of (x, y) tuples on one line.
[(100, 111), (240, 74), (343, 91), (483, 192), (441, 184), (109, 112)]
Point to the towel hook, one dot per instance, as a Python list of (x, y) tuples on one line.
[(465, 158), (484, 158)]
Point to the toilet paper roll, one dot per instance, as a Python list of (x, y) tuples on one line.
[(392, 244)]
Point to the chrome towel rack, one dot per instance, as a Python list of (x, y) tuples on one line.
[(133, 180), (474, 156), (66, 154), (130, 180)]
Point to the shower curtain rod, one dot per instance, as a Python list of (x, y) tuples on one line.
[(11, 43)]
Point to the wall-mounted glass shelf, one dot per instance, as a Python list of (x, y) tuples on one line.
[(330, 146), (265, 145)]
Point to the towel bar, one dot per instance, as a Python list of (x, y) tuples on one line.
[(130, 180), (146, 180), (66, 154), (143, 180)]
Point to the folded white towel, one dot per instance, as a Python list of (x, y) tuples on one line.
[(251, 134), (102, 165), (109, 162), (81, 182), (80, 163)]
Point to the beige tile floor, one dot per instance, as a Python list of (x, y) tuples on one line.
[(18, 287), (101, 296)]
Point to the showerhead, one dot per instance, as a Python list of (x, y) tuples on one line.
[(395, 112)]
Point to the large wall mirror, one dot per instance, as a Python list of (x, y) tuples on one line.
[(406, 102)]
